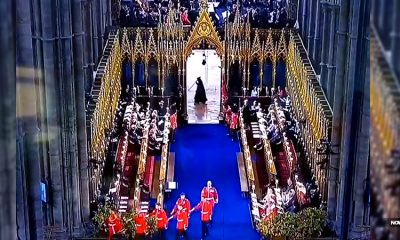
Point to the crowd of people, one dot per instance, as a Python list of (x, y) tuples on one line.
[(290, 198), (277, 121), (135, 116), (260, 13)]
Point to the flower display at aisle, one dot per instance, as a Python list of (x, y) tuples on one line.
[(306, 224), (101, 216), (129, 223), (151, 225)]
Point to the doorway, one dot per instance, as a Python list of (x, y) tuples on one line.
[(205, 64)]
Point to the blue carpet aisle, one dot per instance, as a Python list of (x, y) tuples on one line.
[(204, 152)]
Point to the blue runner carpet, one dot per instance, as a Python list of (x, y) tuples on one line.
[(205, 152)]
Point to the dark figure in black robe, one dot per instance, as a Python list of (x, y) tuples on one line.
[(200, 96)]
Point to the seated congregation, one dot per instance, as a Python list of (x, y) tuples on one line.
[(270, 128)]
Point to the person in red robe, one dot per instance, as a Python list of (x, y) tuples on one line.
[(182, 224), (228, 115), (174, 124), (210, 193), (141, 226), (234, 125), (115, 226), (185, 17), (173, 121), (162, 221), (181, 202), (206, 208)]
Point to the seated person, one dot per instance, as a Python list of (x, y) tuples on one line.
[(134, 137), (154, 135), (279, 200), (185, 17), (301, 191), (228, 114), (162, 110), (288, 198)]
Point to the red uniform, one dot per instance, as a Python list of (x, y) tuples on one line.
[(182, 218), (114, 225), (210, 194), (185, 204), (234, 121), (173, 121), (161, 216), (272, 215), (141, 224), (228, 115), (185, 18), (206, 208)]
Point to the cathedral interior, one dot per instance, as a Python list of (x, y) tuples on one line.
[(274, 110)]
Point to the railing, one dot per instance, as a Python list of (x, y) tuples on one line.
[(106, 105), (288, 153), (310, 107), (164, 159), (246, 154), (123, 147), (142, 160), (269, 159)]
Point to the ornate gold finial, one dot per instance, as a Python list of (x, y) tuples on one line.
[(138, 47), (256, 49), (126, 46), (151, 49), (269, 46), (203, 5), (204, 30), (282, 48), (237, 22)]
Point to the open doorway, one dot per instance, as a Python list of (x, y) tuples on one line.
[(205, 64)]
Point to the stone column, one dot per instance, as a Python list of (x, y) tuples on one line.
[(80, 165), (51, 80), (89, 53), (325, 46), (361, 172), (108, 20), (395, 40), (93, 15), (29, 205), (83, 42), (311, 25), (331, 65), (337, 107), (103, 7), (7, 122), (98, 29), (66, 94), (304, 22), (352, 81), (317, 40)]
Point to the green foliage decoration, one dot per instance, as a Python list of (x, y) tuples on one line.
[(303, 225), (128, 220), (151, 225), (101, 217)]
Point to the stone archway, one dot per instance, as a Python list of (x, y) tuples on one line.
[(204, 31)]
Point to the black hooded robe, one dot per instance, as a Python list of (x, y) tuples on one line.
[(200, 96)]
